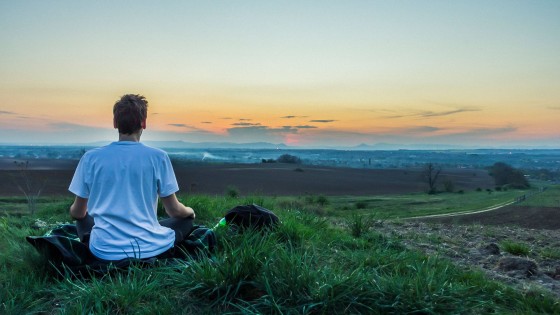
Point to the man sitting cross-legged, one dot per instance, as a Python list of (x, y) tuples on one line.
[(117, 188)]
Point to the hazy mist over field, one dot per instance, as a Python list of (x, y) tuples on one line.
[(367, 159)]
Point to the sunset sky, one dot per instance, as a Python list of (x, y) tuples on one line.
[(303, 73)]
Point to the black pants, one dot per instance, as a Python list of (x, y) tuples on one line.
[(181, 226)]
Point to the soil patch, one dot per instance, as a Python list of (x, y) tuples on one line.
[(263, 179), (482, 247)]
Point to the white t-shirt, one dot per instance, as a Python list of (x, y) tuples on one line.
[(122, 182)]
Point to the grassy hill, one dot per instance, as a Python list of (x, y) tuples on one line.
[(323, 259)]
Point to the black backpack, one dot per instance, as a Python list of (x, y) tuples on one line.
[(251, 216)]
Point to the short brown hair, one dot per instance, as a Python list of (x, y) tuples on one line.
[(129, 112)]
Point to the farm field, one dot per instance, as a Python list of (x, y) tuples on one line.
[(539, 211), (360, 254), (262, 179)]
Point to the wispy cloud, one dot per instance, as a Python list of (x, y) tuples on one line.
[(299, 127), (206, 122), (3, 112), (489, 131), (423, 129), (393, 114), (322, 120), (293, 116), (554, 107), (245, 124), (447, 113), (262, 128), (245, 119), (260, 133), (193, 128)]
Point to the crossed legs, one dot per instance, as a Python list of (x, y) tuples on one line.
[(181, 226)]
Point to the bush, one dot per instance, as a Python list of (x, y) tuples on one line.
[(361, 205), (322, 200), (358, 225), (514, 248), (504, 174), (449, 186), (288, 158), (232, 192)]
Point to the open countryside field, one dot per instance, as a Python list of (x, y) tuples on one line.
[(263, 179), (422, 204), (384, 193), (355, 260), (538, 211)]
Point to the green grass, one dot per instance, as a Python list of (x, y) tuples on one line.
[(411, 205), (18, 205), (308, 265), (516, 248), (548, 198), (550, 252)]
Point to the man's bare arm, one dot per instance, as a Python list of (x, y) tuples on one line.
[(78, 209), (176, 209)]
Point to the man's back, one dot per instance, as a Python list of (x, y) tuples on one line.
[(122, 182)]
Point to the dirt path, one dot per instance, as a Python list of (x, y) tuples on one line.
[(467, 212), (471, 212)]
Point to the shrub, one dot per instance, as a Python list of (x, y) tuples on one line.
[(551, 253), (288, 158), (232, 192), (28, 185), (315, 209), (515, 248), (504, 174), (358, 225), (449, 186), (361, 205), (322, 200)]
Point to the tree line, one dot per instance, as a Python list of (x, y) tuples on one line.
[(504, 176)]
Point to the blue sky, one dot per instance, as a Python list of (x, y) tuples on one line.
[(346, 72)]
